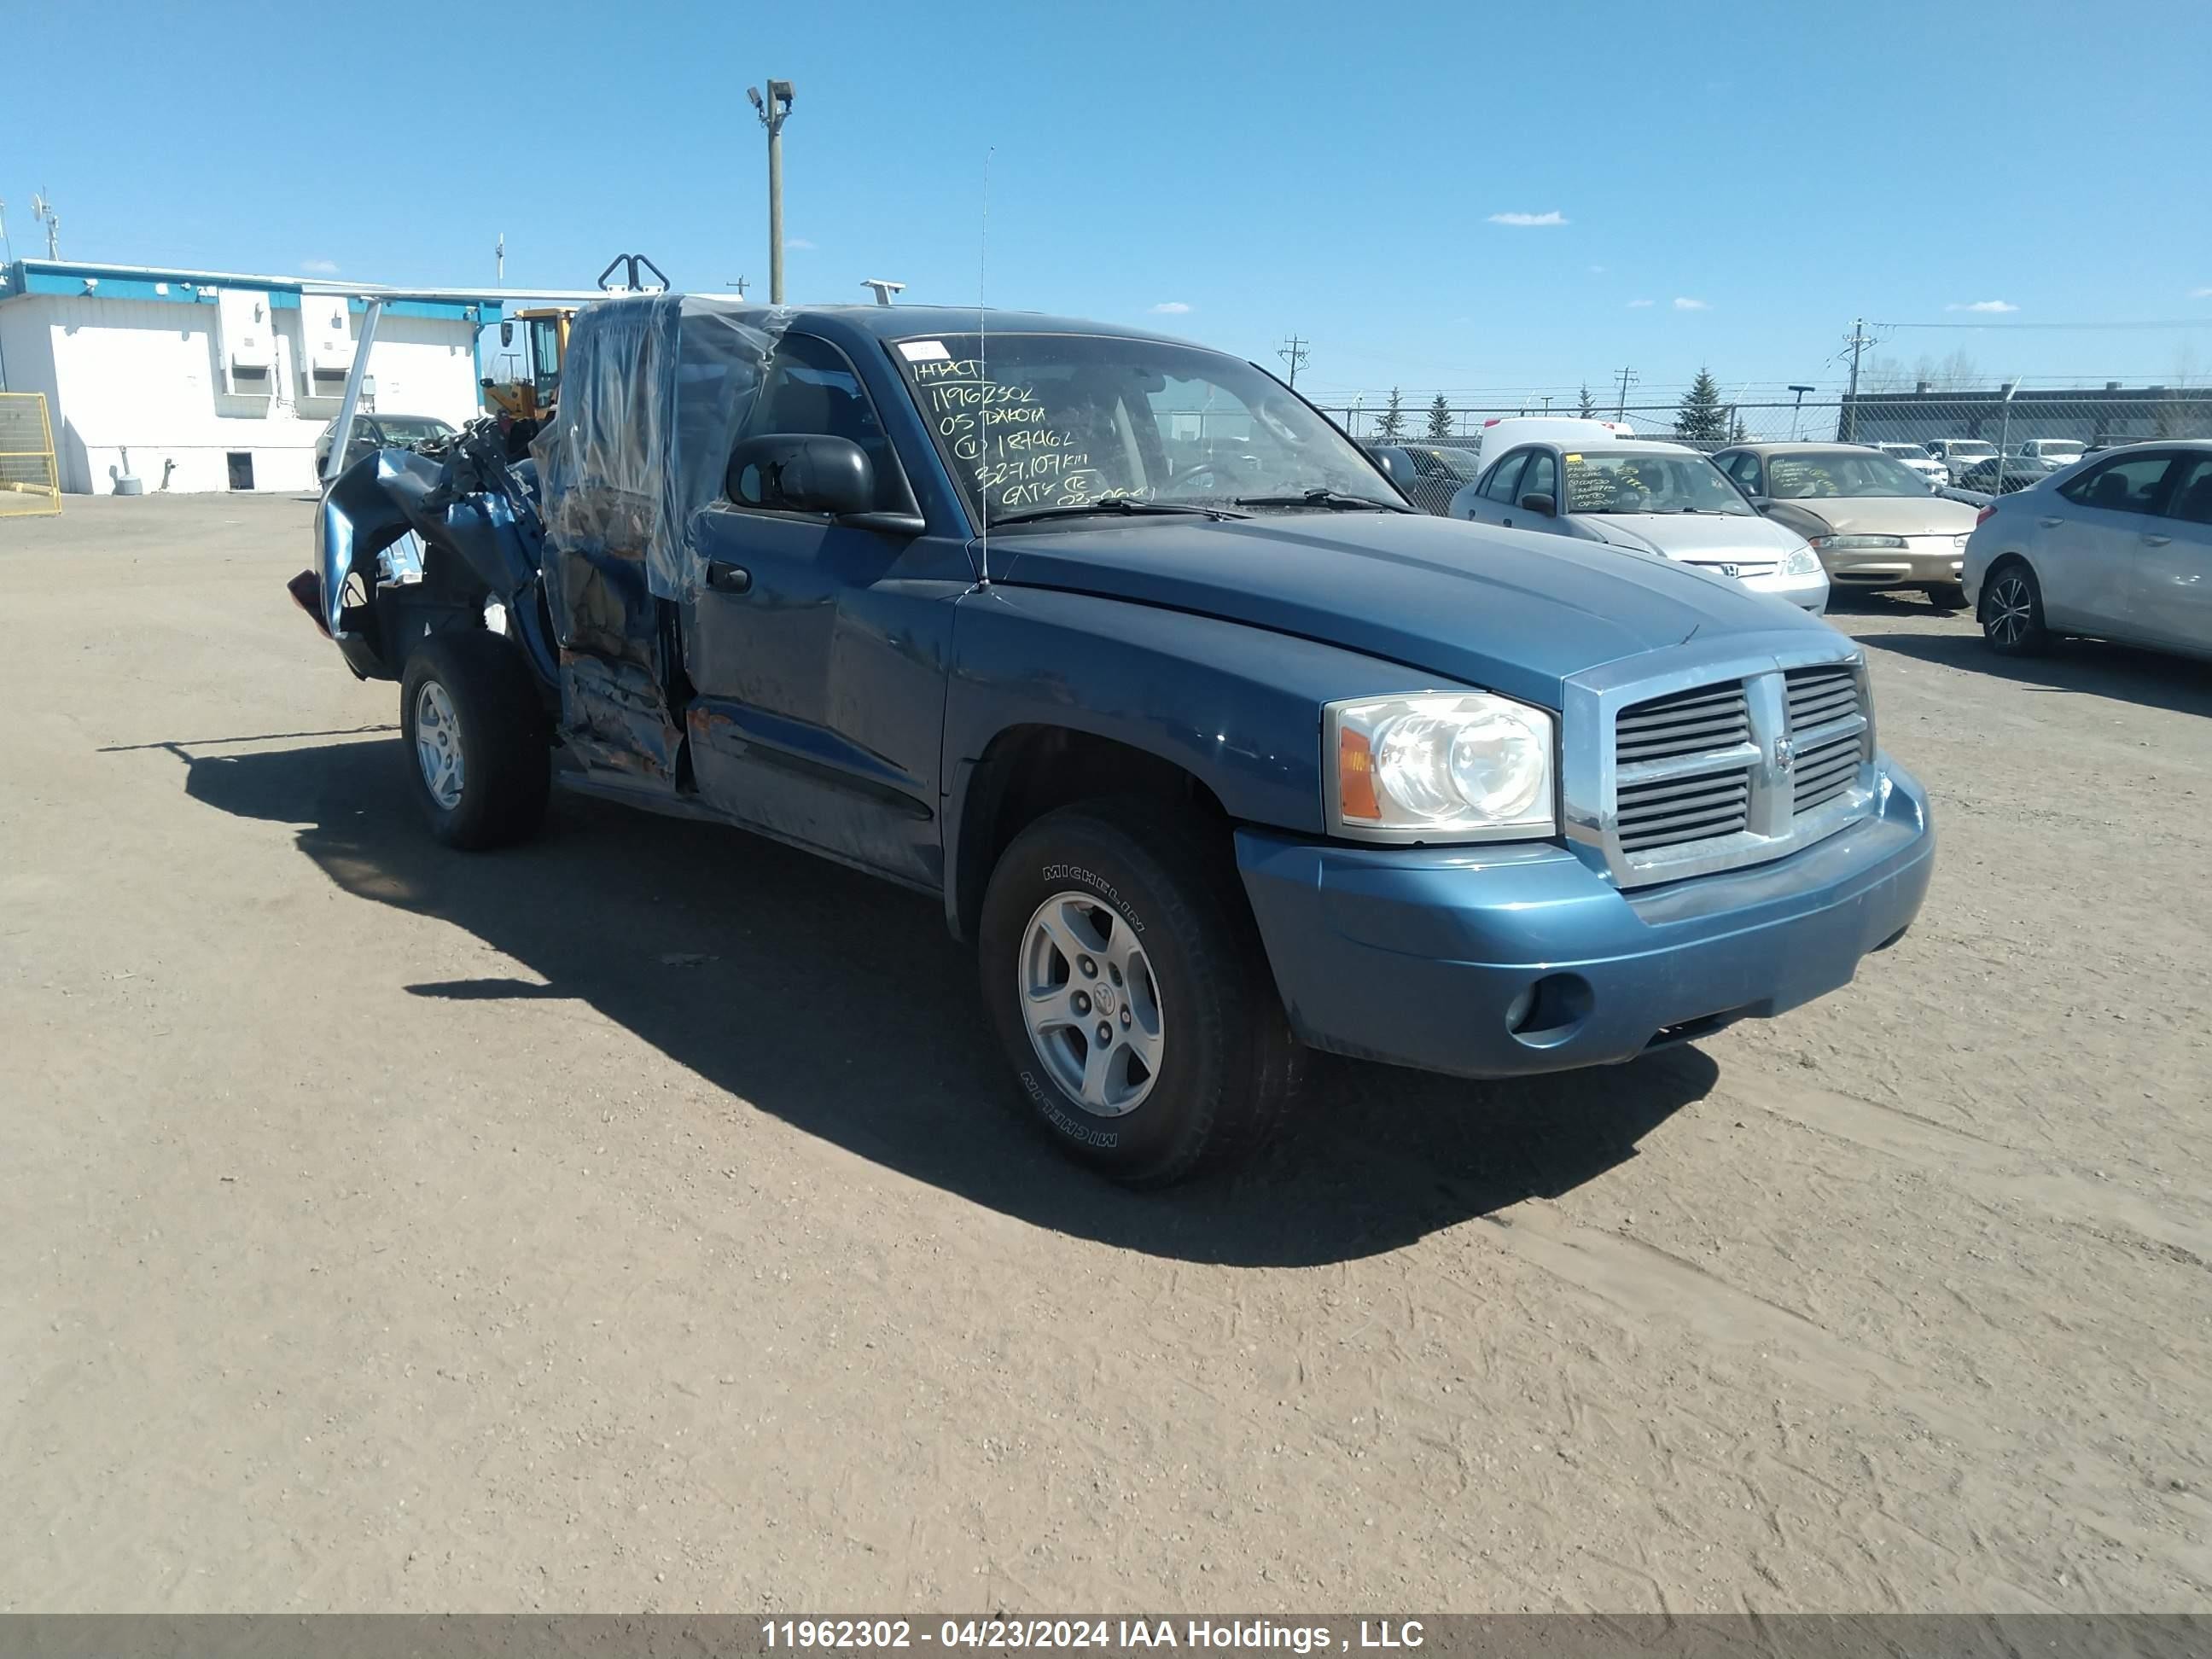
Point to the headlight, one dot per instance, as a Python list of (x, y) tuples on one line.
[(1446, 766), (1802, 562), (1858, 543)]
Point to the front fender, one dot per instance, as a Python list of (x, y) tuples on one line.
[(1235, 706)]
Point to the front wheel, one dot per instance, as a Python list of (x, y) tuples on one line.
[(2012, 613), (476, 737), (1126, 983)]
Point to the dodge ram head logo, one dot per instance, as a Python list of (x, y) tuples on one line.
[(1785, 755)]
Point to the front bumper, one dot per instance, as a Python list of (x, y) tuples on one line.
[(1809, 593), (1507, 961), (1923, 562)]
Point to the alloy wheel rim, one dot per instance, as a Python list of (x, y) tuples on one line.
[(437, 744), (2009, 611), (1092, 1004)]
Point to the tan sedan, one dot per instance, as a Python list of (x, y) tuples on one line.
[(1873, 520)]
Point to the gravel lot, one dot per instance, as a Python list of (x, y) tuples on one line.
[(388, 1228)]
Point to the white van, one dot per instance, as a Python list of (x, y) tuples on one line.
[(1501, 433)]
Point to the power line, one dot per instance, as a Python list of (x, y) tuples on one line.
[(1627, 378), (1293, 352), (2179, 322)]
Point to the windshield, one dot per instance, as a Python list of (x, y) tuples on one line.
[(1824, 472), (1463, 463), (412, 428), (1972, 449), (1039, 421), (1903, 451), (1649, 483)]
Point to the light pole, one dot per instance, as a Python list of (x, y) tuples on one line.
[(772, 112), (2004, 433), (1796, 409)]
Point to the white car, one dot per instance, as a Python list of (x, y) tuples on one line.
[(1916, 456), (2064, 450), (1957, 454), (1659, 498)]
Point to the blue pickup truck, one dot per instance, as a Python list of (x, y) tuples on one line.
[(1215, 747)]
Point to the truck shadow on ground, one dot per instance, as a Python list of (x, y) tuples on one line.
[(2091, 668), (839, 1004)]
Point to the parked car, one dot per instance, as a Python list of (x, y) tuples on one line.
[(2063, 451), (2119, 547), (1957, 454), (1430, 473), (1209, 766), (2019, 472), (373, 431), (1663, 498), (1875, 524), (1501, 432), (1915, 458)]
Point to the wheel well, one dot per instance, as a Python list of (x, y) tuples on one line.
[(1030, 770)]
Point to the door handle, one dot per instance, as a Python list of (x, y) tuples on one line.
[(2050, 524), (728, 578), (2150, 540)]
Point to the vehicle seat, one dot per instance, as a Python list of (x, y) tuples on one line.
[(2112, 493)]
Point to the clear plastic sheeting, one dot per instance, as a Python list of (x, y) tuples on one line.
[(653, 391)]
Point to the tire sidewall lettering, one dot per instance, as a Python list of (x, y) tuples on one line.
[(1098, 885)]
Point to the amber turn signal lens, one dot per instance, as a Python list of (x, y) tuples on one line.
[(1355, 779)]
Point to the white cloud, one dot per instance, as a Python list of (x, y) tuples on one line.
[(1170, 308), (2200, 292), (1638, 305), (1983, 305), (1597, 270), (1555, 217), (1681, 304), (319, 267)]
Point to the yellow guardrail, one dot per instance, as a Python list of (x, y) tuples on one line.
[(29, 481)]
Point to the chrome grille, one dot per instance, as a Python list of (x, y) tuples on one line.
[(1827, 724), (1718, 773)]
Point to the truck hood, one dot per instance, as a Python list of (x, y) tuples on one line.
[(1694, 535), (1875, 515), (1515, 612)]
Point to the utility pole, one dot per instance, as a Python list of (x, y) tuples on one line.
[(1547, 405), (1857, 342), (1627, 378), (1293, 352), (42, 209), (740, 285), (772, 112)]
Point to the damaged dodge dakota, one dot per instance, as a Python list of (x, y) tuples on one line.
[(1214, 748)]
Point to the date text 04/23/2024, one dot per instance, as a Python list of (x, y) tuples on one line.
[(1096, 1634)]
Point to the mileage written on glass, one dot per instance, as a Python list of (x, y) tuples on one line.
[(1029, 424), (1018, 451)]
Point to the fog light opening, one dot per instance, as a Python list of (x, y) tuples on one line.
[(1550, 1011)]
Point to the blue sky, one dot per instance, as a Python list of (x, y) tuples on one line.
[(1732, 184)]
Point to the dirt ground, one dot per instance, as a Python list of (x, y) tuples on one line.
[(385, 1228)]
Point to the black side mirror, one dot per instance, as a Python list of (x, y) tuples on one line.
[(1761, 503), (1389, 464), (1537, 502), (802, 473)]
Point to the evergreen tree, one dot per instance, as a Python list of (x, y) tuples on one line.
[(1742, 434), (1439, 419), (1393, 419), (1585, 405), (1701, 415)]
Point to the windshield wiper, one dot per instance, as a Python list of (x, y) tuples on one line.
[(1334, 499), (1124, 507)]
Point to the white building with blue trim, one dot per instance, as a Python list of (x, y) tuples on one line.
[(218, 380)]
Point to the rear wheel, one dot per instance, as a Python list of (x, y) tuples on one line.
[(476, 737), (1125, 980), (2012, 611)]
